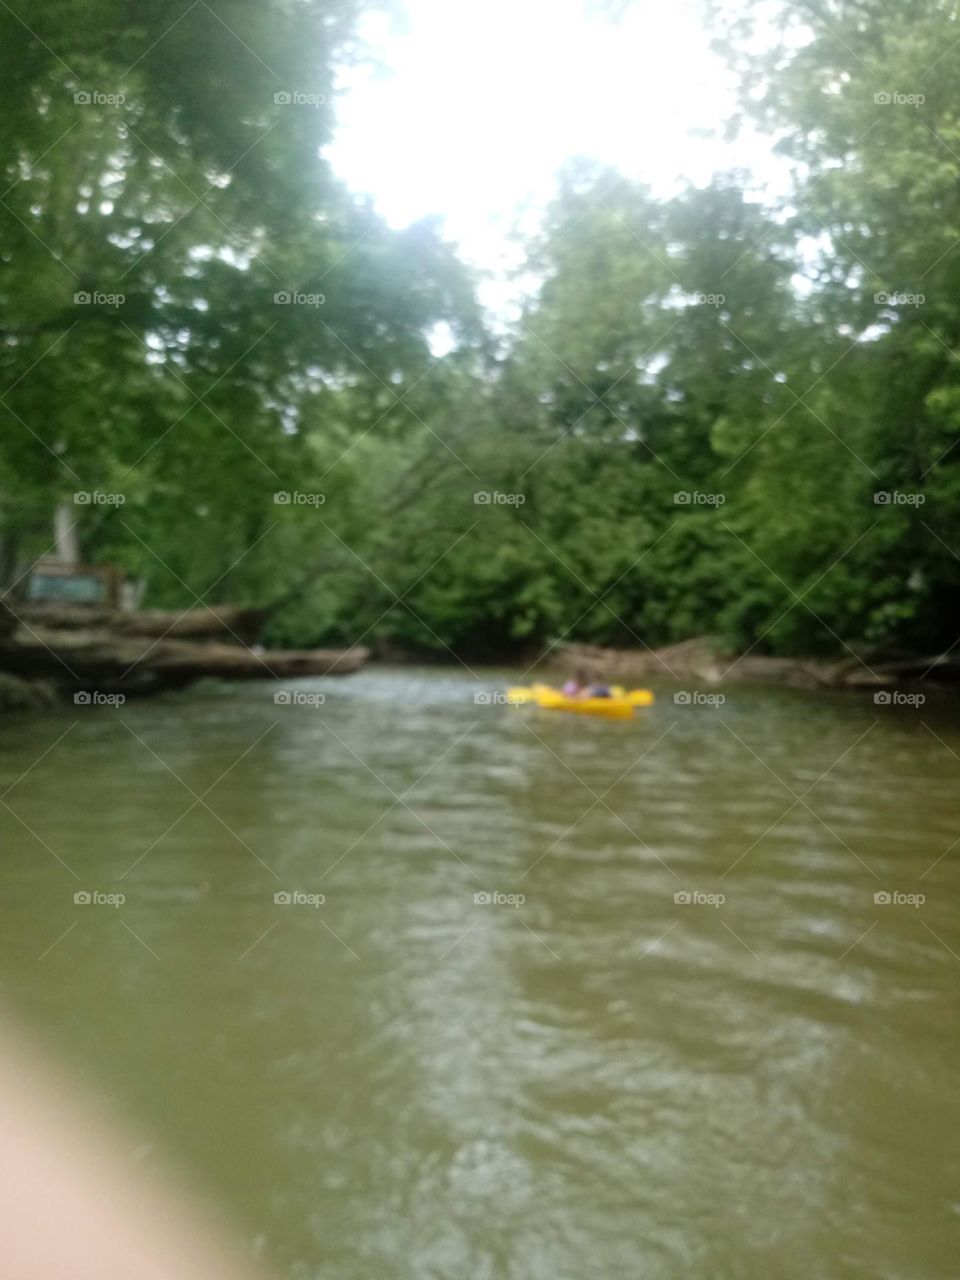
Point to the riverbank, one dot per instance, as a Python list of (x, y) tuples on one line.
[(701, 660), (705, 660)]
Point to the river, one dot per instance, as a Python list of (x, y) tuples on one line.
[(677, 1034)]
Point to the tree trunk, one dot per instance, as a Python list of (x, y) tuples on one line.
[(65, 519)]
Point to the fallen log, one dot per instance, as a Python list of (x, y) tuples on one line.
[(101, 660), (941, 668), (224, 622)]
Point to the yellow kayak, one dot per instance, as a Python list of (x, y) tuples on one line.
[(619, 706)]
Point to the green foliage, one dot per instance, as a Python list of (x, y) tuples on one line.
[(683, 434)]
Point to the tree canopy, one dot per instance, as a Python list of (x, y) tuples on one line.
[(715, 415)]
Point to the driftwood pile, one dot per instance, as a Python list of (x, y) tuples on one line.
[(704, 660)]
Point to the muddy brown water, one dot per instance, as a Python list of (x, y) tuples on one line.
[(541, 997)]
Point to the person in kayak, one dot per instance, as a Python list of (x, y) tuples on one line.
[(579, 686)]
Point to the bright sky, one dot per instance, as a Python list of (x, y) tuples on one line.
[(476, 104)]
